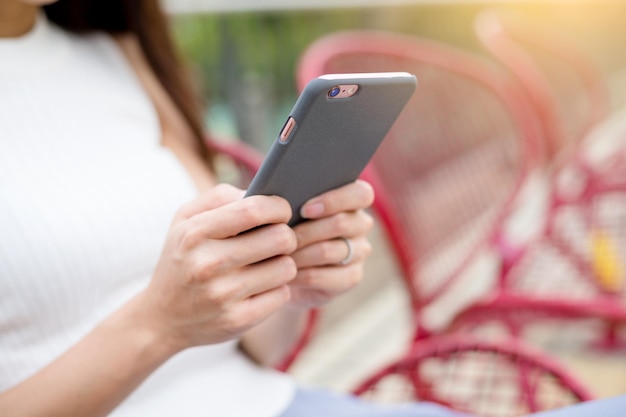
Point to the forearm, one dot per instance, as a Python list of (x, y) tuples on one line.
[(271, 341), (96, 374)]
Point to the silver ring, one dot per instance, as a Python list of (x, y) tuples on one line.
[(348, 258)]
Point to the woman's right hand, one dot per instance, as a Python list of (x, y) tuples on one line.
[(213, 283)]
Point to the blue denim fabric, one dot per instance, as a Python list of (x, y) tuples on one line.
[(321, 403)]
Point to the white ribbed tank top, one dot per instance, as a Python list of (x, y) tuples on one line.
[(87, 194)]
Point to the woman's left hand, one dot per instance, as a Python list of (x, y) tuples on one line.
[(332, 245)]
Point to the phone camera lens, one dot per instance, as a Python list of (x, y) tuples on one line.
[(333, 92)]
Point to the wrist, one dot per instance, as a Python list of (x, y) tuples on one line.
[(143, 329)]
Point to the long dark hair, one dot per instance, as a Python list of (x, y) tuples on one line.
[(146, 20)]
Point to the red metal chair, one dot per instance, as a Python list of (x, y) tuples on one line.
[(447, 177), (454, 162), (573, 268), (238, 163)]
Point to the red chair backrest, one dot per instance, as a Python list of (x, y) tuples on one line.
[(451, 164)]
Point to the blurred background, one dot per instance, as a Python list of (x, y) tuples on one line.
[(245, 52), (245, 55)]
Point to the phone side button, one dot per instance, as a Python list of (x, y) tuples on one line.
[(287, 129)]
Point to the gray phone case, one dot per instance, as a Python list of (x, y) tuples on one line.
[(333, 138)]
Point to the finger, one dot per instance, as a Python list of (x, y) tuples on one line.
[(354, 196), (251, 281), (215, 197), (346, 224), (263, 305), (216, 257), (265, 276), (331, 253), (331, 280), (240, 216)]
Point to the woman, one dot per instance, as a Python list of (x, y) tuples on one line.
[(126, 285), (126, 288)]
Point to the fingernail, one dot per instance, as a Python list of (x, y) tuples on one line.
[(313, 210)]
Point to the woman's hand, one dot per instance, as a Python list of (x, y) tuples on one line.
[(213, 283), (336, 215)]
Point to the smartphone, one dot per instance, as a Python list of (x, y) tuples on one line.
[(330, 135)]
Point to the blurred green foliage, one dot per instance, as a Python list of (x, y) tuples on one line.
[(264, 44)]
